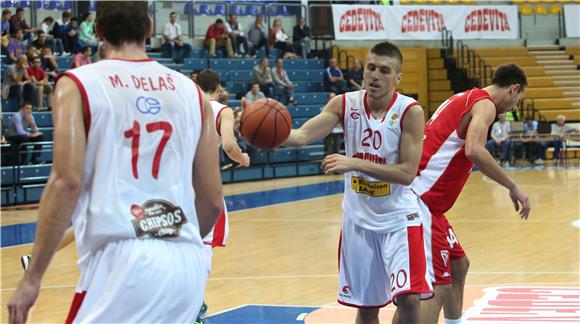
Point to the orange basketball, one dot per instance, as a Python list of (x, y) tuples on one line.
[(265, 123)]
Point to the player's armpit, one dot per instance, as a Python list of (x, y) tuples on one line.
[(318, 126), (206, 177)]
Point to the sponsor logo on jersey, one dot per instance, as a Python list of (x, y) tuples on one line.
[(371, 188), (354, 115), (445, 256), (370, 157), (413, 216), (345, 292), (157, 218), (147, 105)]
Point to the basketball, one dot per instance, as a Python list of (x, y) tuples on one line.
[(265, 123)]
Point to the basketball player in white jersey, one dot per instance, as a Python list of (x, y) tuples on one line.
[(382, 255), (454, 142), (135, 166)]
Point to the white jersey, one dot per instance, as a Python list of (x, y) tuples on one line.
[(218, 236), (144, 123), (370, 203)]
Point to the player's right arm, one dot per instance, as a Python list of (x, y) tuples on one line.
[(60, 196), (483, 114), (229, 141), (206, 176), (319, 126)]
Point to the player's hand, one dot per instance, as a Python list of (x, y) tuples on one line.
[(245, 160), (336, 163), (22, 300), (521, 202)]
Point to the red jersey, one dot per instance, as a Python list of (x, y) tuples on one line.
[(444, 168)]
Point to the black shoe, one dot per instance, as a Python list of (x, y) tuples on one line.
[(25, 261)]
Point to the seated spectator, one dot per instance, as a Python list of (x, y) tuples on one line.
[(217, 37), (41, 41), (301, 38), (62, 30), (280, 40), (559, 131), (193, 75), (6, 15), (500, 137), (17, 81), (334, 79), (282, 82), (535, 150), (257, 37), (45, 32), (236, 32), (40, 81), (355, 76), (32, 53), (16, 47), (49, 63), (82, 58), (73, 36), (254, 93), (333, 141), (174, 46), (87, 32), (46, 25), (18, 22), (223, 96), (262, 74), (18, 133)]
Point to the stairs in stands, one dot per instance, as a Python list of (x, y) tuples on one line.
[(438, 79)]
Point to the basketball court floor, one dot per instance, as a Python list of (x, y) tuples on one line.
[(280, 265)]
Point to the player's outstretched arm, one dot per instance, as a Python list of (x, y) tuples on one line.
[(229, 141), (404, 172), (483, 115), (206, 175), (319, 126), (60, 196)]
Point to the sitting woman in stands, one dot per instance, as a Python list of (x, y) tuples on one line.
[(280, 40)]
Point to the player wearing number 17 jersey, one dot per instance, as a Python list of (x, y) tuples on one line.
[(455, 138), (382, 255), (128, 169)]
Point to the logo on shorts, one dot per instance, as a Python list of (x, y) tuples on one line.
[(157, 218), (413, 216), (345, 292), (446, 274), (445, 257)]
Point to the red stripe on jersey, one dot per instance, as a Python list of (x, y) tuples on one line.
[(85, 100), (405, 113), (219, 230), (339, 247), (368, 110), (217, 119), (127, 60), (75, 306), (417, 263), (199, 93), (362, 307), (343, 109)]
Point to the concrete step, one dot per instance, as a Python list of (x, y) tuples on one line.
[(570, 73), (551, 57), (567, 82), (572, 93), (570, 88), (560, 67), (555, 62)]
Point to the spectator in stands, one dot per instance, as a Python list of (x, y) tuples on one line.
[(217, 37), (500, 136), (257, 36), (536, 151), (355, 76), (47, 24), (193, 75), (18, 133), (174, 45), (559, 131), (301, 38), (41, 41), (62, 30), (46, 28), (236, 32), (334, 79), (49, 63), (6, 15), (19, 22), (263, 75), (16, 47), (74, 36), (82, 58), (280, 40), (32, 53), (254, 93), (39, 79), (17, 81), (282, 82), (333, 141), (87, 32), (223, 95)]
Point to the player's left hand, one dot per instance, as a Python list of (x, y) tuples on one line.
[(336, 163), (22, 300)]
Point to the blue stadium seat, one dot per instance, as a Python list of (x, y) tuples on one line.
[(311, 153), (232, 64), (67, 5), (282, 11), (8, 176), (203, 9), (8, 4), (237, 87), (307, 86), (198, 52), (219, 10), (304, 111), (298, 122), (260, 157), (236, 10), (224, 75), (301, 64), (312, 98), (43, 119), (238, 75), (10, 105), (188, 8), (195, 64), (285, 154), (64, 63), (234, 103), (305, 75), (93, 6)]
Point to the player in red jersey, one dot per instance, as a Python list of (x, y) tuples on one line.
[(454, 142)]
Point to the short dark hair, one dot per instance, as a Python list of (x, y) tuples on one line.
[(508, 74), (48, 19), (84, 48), (6, 11), (123, 21), (26, 103), (40, 32), (172, 13), (74, 19), (388, 49), (208, 80), (66, 14), (19, 10), (219, 21)]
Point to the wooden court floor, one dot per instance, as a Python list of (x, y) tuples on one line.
[(286, 254)]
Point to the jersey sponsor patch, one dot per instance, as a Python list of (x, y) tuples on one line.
[(371, 188), (157, 218)]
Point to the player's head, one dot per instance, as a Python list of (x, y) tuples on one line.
[(511, 81), (123, 22), (382, 71), (209, 81)]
